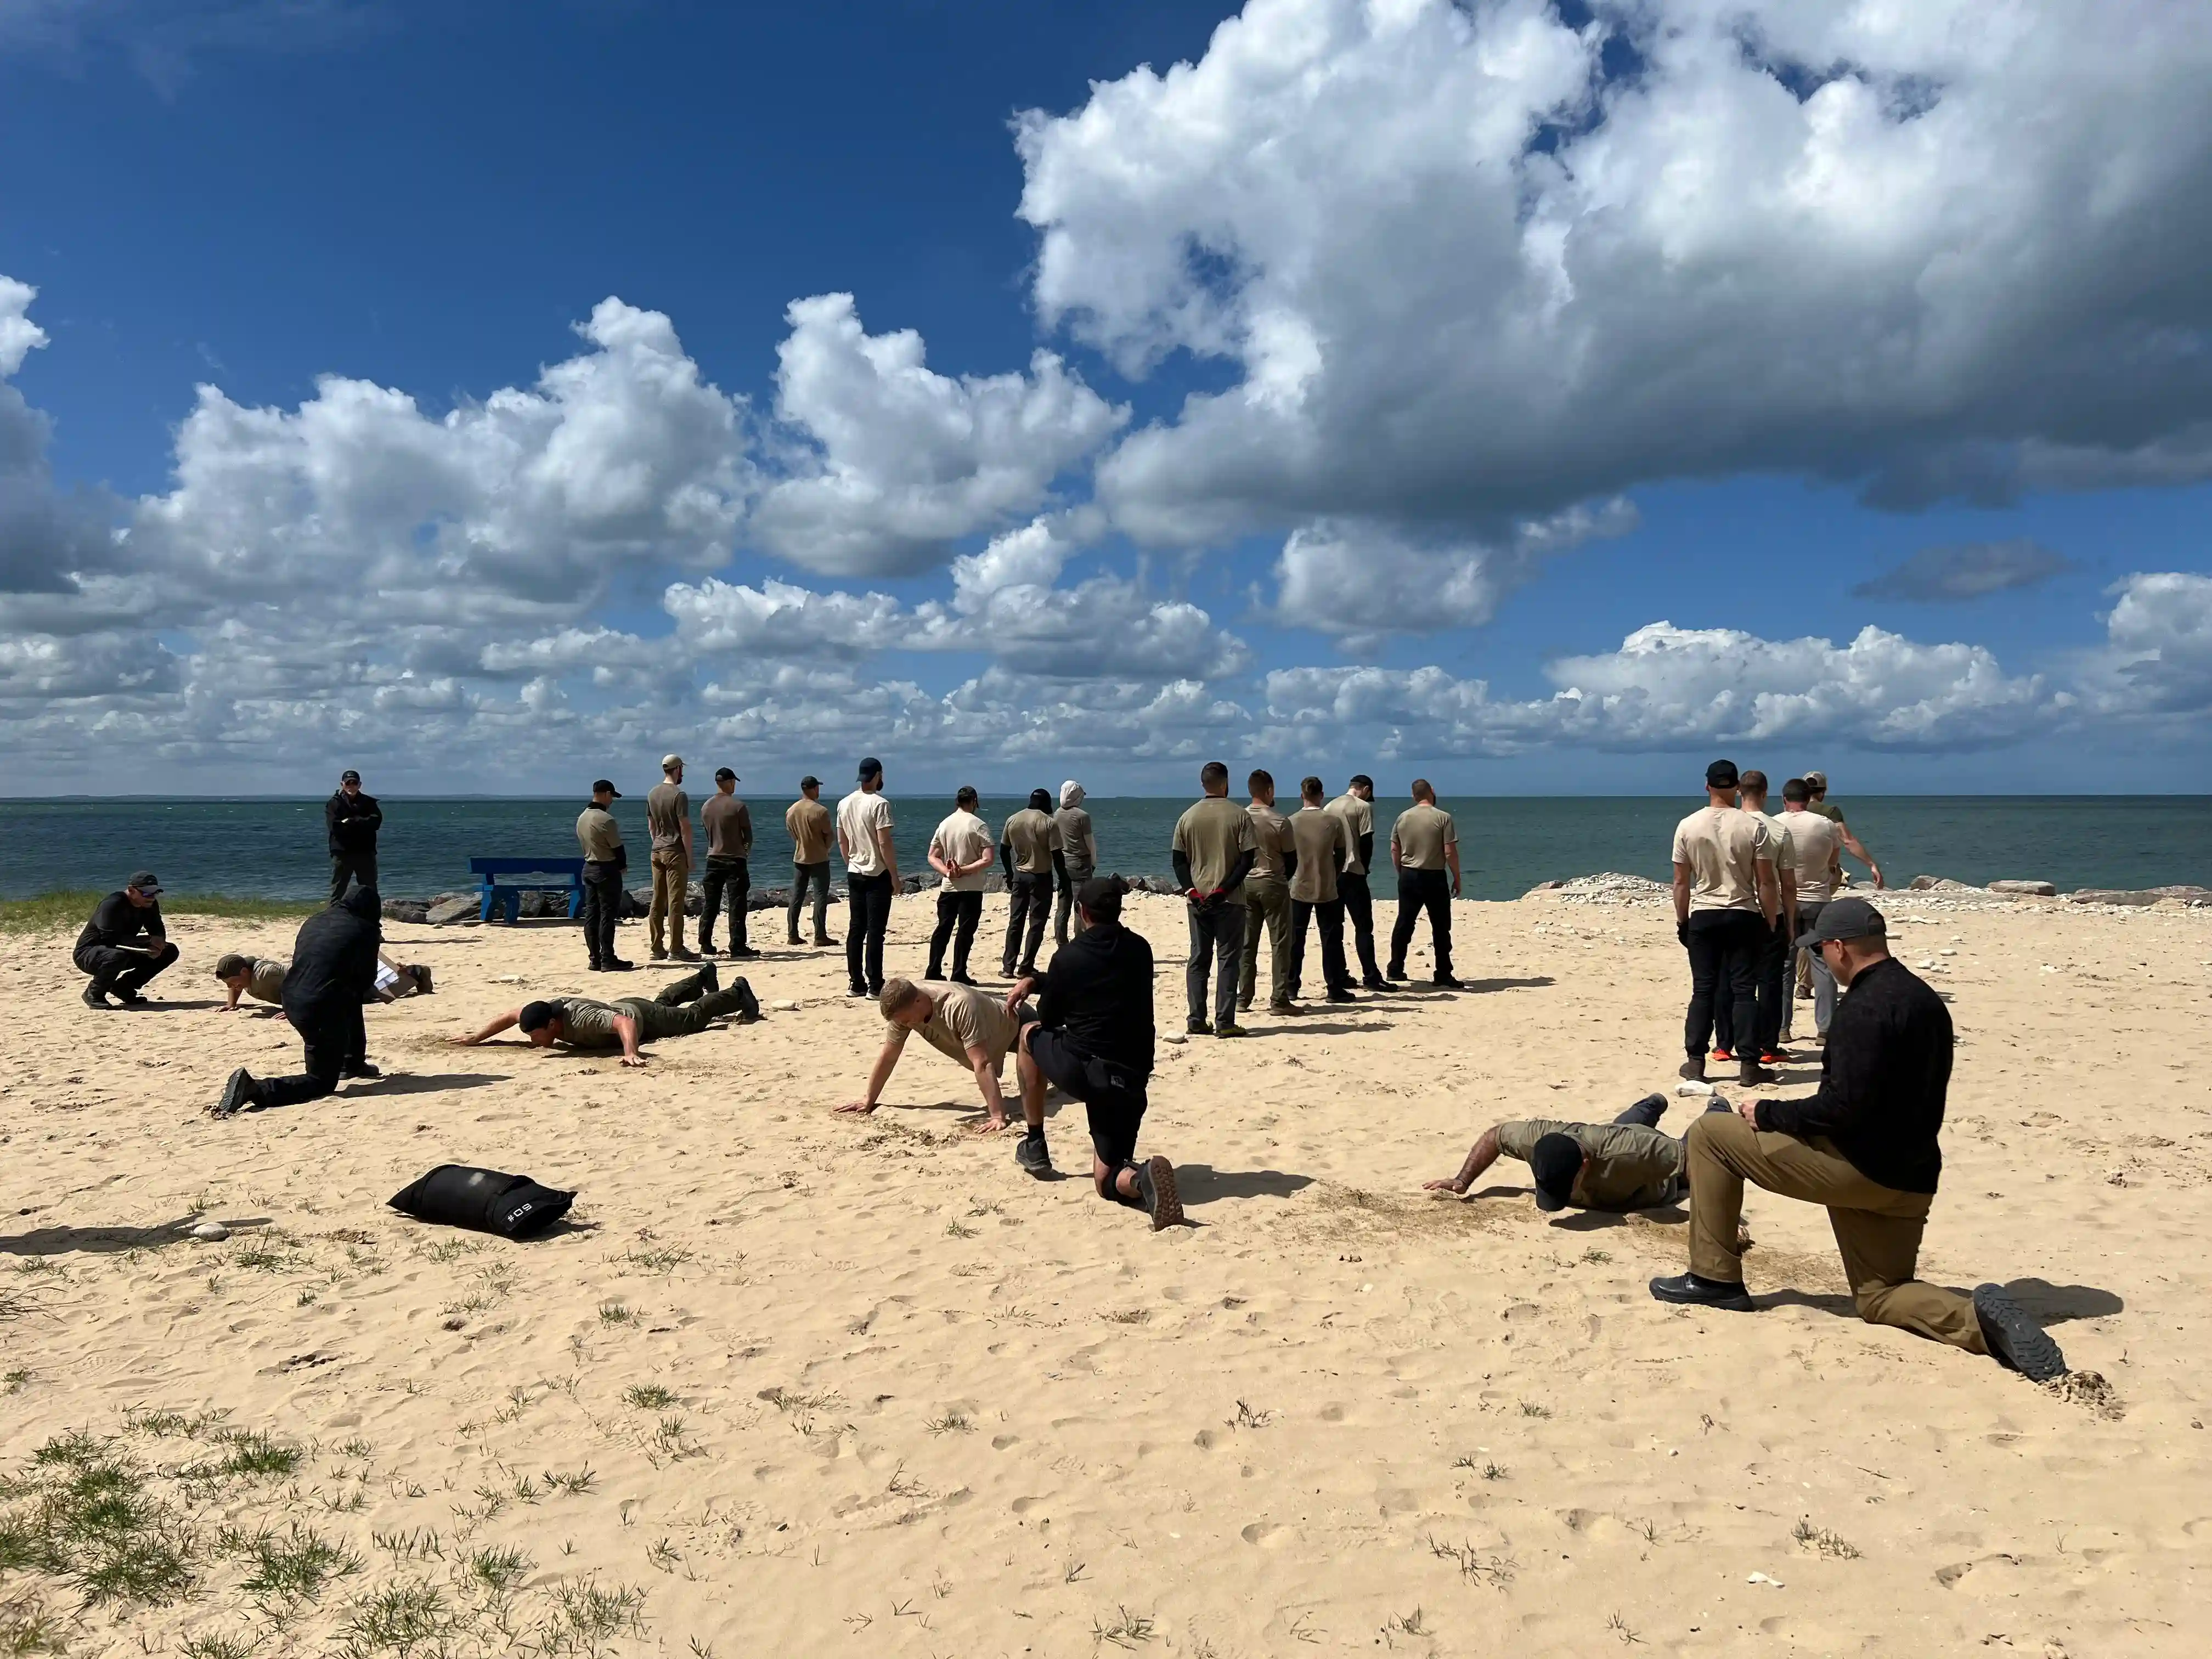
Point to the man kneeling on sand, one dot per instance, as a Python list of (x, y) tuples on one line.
[(1092, 1038), (1864, 1147), (1629, 1164), (961, 1023), (684, 1007)]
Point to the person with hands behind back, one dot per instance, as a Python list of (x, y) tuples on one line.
[(1214, 849)]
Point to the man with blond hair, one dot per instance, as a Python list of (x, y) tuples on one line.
[(668, 816), (964, 1024)]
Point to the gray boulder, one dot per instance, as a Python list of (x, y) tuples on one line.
[(994, 882), (768, 898), (1941, 884), (451, 910), (407, 910), (1544, 887), (2139, 901), (2026, 888)]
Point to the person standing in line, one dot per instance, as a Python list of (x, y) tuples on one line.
[(1774, 965), (1213, 850), (729, 825), (1029, 848), (352, 819), (864, 840), (605, 859), (668, 816), (125, 944), (1424, 844), (1816, 841), (960, 850), (1820, 805), (812, 835), (1865, 1147), (1726, 898), (1079, 851), (1267, 899), (1320, 845), (333, 972), (1356, 806)]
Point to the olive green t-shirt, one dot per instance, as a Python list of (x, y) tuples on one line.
[(1210, 834), (588, 1024), (1271, 836), (729, 825), (1422, 832), (1077, 842), (1034, 837), (1626, 1166), (1322, 844), (265, 980), (667, 810)]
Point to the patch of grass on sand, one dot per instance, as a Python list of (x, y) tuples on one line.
[(87, 1513), (285, 1569), (54, 913)]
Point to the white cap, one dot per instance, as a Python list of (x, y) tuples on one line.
[(670, 762)]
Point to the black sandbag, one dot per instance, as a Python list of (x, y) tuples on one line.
[(454, 1195)]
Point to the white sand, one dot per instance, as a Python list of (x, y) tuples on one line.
[(1013, 1421)]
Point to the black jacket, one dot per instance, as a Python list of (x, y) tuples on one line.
[(334, 959), (353, 824), (1097, 993), (1883, 1080)]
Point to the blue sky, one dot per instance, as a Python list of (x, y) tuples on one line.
[(1398, 387)]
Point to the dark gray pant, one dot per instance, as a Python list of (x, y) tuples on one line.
[(963, 912), (867, 914), (1064, 907), (114, 968), (602, 908), (1419, 890), (1029, 906), (347, 868), (332, 1038), (1360, 910), (801, 874), (723, 876), (1216, 943), (1335, 978)]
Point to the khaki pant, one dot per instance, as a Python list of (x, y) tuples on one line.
[(1269, 901), (671, 879), (1877, 1228)]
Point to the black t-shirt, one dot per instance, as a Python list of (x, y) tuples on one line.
[(116, 921), (1098, 992)]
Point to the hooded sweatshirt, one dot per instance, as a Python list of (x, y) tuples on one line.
[(1078, 846), (334, 959)]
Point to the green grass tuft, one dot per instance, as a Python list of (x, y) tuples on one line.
[(53, 912)]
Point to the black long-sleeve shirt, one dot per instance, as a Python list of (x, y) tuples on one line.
[(334, 959), (1097, 991), (116, 921), (1883, 1078), (353, 823)]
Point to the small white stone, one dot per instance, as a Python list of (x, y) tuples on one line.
[(1689, 1089), (787, 1007), (210, 1231)]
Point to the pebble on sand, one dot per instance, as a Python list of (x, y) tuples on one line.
[(210, 1232)]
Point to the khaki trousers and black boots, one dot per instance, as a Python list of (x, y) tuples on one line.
[(671, 881), (1877, 1228), (1267, 899)]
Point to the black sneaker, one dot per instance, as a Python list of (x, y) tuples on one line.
[(748, 1004), (741, 953), (1689, 1291), (2016, 1339), (128, 998), (1199, 1028), (422, 979), (856, 990), (596, 967), (362, 1068), (616, 965), (1342, 996), (710, 977), (1694, 1068), (1231, 1030), (96, 998), (824, 944), (1395, 974), (1031, 1153), (1156, 1185), (238, 1093), (1446, 982), (1377, 983), (961, 979)]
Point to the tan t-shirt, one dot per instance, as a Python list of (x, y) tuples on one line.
[(264, 979), (961, 839), (1358, 817), (962, 1015), (598, 834), (1785, 849), (1210, 834), (1077, 839), (1271, 833), (729, 827), (667, 809), (1034, 837), (1625, 1166), (859, 815), (809, 823), (1723, 846), (1422, 833), (1322, 844), (1817, 843)]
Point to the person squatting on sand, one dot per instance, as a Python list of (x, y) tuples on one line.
[(1213, 850), (1865, 1147), (1092, 1038), (1727, 903), (684, 1007), (962, 1023), (1630, 1163), (125, 944), (333, 972), (1078, 860), (1029, 852), (960, 850)]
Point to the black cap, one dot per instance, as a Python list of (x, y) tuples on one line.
[(721, 772), (536, 1016), (1101, 897), (1848, 918), (145, 881), (1721, 775), (603, 787), (348, 776), (1555, 1160), (810, 781), (871, 767)]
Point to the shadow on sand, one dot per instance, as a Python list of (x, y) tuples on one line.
[(1201, 1183)]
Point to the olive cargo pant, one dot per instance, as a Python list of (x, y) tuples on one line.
[(1267, 899)]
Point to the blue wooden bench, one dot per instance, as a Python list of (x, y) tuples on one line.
[(503, 881)]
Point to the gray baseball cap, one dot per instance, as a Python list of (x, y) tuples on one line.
[(1843, 919)]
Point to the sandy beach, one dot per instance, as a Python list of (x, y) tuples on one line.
[(794, 1383)]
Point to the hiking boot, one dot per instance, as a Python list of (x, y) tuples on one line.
[(238, 1093), (616, 965), (1283, 1007), (422, 979), (1446, 982), (1687, 1290), (961, 979), (1231, 1030), (821, 940), (1694, 1068), (1198, 1027), (130, 998), (360, 1069), (96, 998), (1375, 983), (1342, 996), (2016, 1339), (1156, 1186), (680, 954), (1396, 970), (795, 939), (1031, 1153), (748, 1004), (1750, 1073), (710, 978)]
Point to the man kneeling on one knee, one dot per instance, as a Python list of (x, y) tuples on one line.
[(1865, 1147)]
